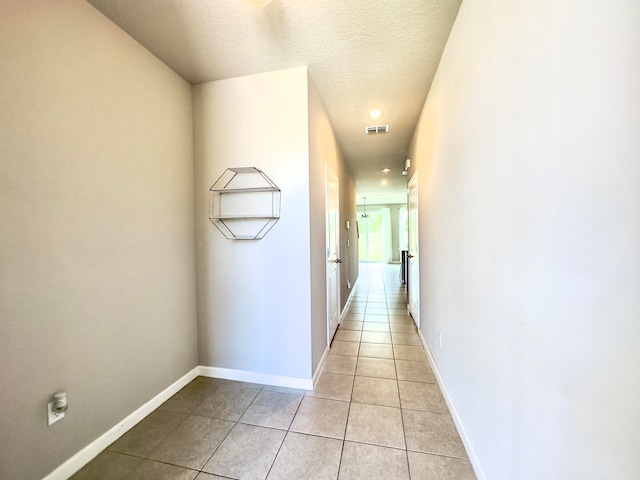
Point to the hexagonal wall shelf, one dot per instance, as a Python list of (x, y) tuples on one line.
[(245, 204)]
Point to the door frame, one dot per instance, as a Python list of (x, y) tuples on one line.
[(331, 176), (413, 304)]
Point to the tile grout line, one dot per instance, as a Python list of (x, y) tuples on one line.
[(396, 378), (404, 431), (235, 424), (346, 425), (372, 300)]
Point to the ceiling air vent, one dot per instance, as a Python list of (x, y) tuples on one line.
[(376, 129)]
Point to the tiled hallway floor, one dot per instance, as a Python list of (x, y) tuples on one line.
[(376, 413)]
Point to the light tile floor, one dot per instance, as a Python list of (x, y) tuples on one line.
[(376, 412)]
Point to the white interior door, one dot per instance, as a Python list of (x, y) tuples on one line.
[(413, 257), (333, 253)]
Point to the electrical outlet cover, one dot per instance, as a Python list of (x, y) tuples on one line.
[(53, 417)]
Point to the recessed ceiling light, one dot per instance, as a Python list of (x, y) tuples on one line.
[(386, 170), (383, 182), (375, 113)]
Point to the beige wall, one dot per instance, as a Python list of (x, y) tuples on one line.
[(528, 155), (254, 297), (324, 150), (349, 271), (261, 304), (96, 229)]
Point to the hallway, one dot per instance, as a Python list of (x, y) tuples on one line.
[(376, 412)]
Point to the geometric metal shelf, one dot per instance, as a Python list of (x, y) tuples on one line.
[(244, 203)]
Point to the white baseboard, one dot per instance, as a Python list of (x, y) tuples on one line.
[(316, 374), (92, 450), (473, 457), (255, 377), (88, 453)]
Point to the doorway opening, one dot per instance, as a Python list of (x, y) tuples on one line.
[(382, 232), (371, 228)]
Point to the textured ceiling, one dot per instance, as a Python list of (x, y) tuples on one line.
[(361, 54)]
